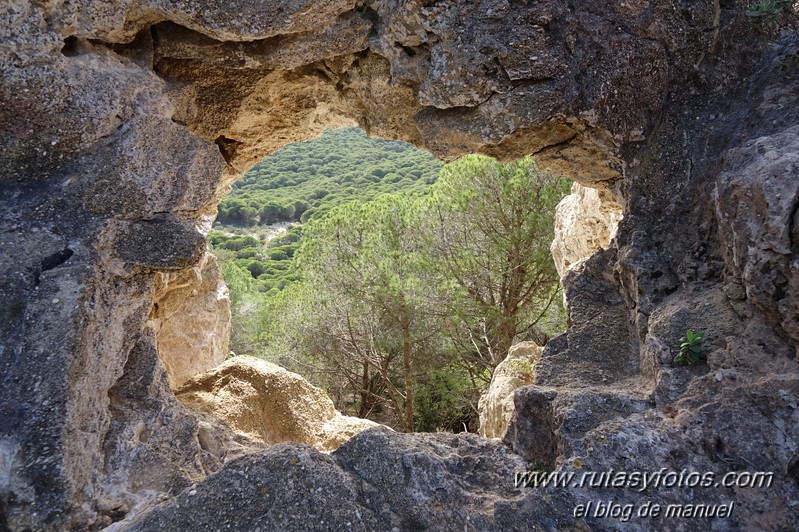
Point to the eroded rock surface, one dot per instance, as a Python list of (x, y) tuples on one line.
[(191, 317), (496, 404), (154, 446), (379, 480), (270, 404), (585, 222), (758, 214), (124, 122)]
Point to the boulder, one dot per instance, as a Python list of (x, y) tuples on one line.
[(496, 405), (378, 480), (269, 404)]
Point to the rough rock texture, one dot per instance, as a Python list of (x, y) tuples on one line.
[(496, 404), (123, 122), (270, 404), (379, 480), (144, 462), (191, 317), (585, 222), (756, 200)]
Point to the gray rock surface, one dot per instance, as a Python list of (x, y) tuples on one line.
[(755, 200), (379, 480), (124, 122)]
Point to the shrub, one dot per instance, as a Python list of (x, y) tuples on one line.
[(236, 243), (690, 349), (444, 402), (247, 253), (522, 368), (771, 16), (278, 254)]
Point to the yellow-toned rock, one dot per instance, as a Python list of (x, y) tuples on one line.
[(268, 403), (585, 222), (191, 317), (496, 405)]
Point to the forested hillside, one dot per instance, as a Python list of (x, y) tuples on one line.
[(304, 181), (308, 179), (408, 304)]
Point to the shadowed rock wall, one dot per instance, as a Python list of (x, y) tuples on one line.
[(123, 123)]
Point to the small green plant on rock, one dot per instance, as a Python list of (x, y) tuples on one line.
[(770, 16), (790, 66), (690, 349), (522, 368)]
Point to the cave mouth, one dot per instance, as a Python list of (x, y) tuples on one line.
[(146, 130), (241, 101), (354, 349), (253, 98)]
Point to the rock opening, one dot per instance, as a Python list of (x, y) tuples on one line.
[(109, 151)]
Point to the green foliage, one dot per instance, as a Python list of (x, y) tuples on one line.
[(270, 265), (400, 288), (789, 66), (690, 349), (239, 282), (399, 306), (235, 243), (771, 16), (305, 180), (522, 368), (445, 401), (492, 225), (240, 285), (302, 182), (369, 277)]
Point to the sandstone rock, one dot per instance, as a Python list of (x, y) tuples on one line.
[(549, 423), (269, 404), (191, 317), (135, 115), (585, 222), (249, 22), (346, 34), (153, 445), (161, 243), (707, 311), (496, 405), (599, 349)]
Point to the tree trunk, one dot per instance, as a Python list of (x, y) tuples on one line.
[(504, 339), (363, 411), (394, 396), (509, 301), (406, 367)]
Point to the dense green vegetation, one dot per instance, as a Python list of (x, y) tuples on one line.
[(425, 295), (257, 253), (769, 17), (308, 179), (304, 181), (400, 305)]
